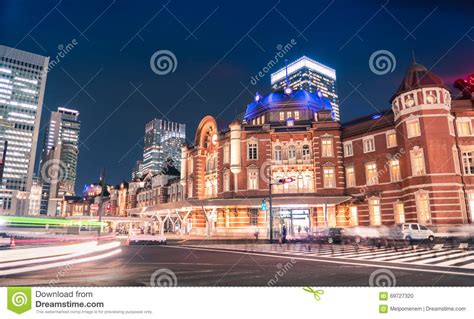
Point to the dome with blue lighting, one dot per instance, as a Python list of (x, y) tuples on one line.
[(281, 101)]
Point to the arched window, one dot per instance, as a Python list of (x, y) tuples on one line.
[(306, 152), (277, 153), (291, 152)]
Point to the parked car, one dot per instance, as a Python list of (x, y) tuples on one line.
[(360, 234), (414, 231), (328, 235), (463, 233)]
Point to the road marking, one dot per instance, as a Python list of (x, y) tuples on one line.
[(353, 263)]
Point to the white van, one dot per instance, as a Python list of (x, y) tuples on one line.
[(410, 231)]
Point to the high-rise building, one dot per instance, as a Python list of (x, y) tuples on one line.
[(311, 76), (22, 84), (58, 165), (137, 170), (163, 140)]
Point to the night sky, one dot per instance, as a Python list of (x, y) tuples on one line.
[(219, 46)]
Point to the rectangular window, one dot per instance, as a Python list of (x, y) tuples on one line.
[(326, 147), (354, 220), (391, 139), (369, 144), (348, 150), (226, 158), (395, 175), (464, 126), (226, 178), (350, 176), (374, 211), (371, 173), (413, 128), (262, 119), (252, 179), (288, 115), (252, 153), (468, 162), (399, 210), (253, 212), (423, 207), (329, 179), (297, 115), (282, 116), (417, 162)]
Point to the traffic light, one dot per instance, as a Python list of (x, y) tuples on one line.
[(264, 204)]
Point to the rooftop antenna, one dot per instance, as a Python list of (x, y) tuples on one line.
[(286, 72)]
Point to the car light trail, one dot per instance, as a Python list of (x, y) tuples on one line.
[(39, 221), (59, 264), (41, 252), (87, 250)]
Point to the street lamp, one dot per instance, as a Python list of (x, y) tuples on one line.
[(280, 181)]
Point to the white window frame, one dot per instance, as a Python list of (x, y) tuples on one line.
[(370, 139), (410, 133), (371, 181), (353, 216), (419, 213), (304, 156), (393, 177), (350, 182), (252, 183), (226, 181), (348, 149), (249, 146), (277, 150), (464, 120), (375, 215), (387, 134), (399, 212), (466, 169), (226, 153), (326, 182), (327, 149), (413, 154)]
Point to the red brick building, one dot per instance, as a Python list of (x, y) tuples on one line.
[(413, 163)]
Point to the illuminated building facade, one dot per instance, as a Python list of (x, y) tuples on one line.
[(411, 163), (58, 165), (22, 84), (311, 76), (163, 140)]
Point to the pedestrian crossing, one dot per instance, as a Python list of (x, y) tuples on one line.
[(414, 255)]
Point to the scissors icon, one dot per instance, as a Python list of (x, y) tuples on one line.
[(316, 293)]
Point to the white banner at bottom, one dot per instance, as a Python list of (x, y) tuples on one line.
[(188, 302)]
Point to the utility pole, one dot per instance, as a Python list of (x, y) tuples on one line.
[(103, 186)]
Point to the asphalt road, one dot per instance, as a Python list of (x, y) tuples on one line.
[(202, 266)]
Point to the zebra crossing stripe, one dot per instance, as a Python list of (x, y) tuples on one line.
[(442, 258), (458, 261), (421, 255), (377, 253)]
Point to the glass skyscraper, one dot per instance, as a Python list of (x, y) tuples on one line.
[(22, 84), (163, 140), (309, 75), (58, 166)]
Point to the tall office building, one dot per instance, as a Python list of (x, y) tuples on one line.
[(163, 140), (58, 165), (311, 76), (22, 84)]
